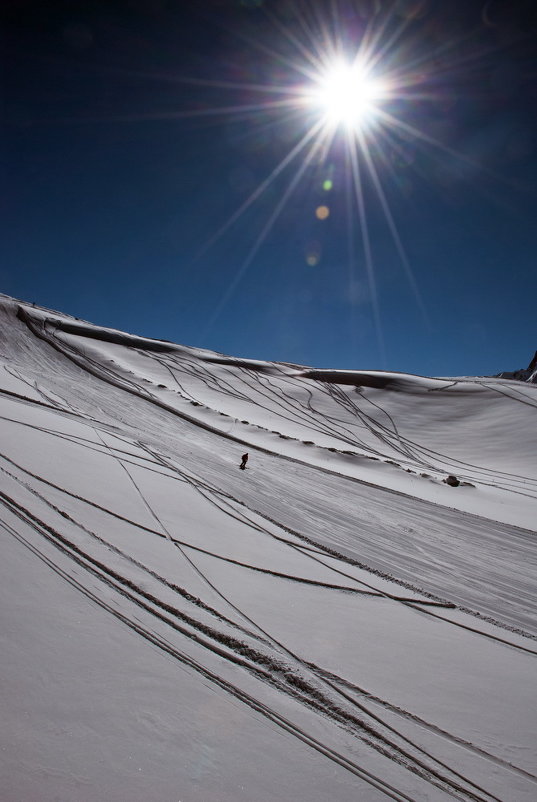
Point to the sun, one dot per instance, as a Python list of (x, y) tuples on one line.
[(347, 97), (346, 94)]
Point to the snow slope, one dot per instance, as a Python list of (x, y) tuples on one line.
[(334, 622)]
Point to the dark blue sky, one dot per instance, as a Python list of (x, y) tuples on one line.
[(119, 170)]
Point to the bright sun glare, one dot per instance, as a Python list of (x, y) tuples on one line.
[(347, 95), (356, 88)]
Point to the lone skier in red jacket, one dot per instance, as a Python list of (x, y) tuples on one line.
[(244, 461)]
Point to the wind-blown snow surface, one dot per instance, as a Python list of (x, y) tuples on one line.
[(333, 623)]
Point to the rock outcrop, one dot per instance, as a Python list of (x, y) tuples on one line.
[(528, 374)]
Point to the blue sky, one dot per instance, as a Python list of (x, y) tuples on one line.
[(133, 131)]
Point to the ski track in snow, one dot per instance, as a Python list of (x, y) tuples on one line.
[(302, 531)]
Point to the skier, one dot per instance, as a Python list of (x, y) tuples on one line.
[(244, 461)]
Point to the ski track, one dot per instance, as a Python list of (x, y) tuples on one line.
[(186, 626), (264, 667), (407, 450)]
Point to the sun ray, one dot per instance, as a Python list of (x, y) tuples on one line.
[(422, 137), (314, 40), (366, 243), (351, 250), (366, 153), (245, 109), (458, 60), (330, 43), (173, 78), (393, 144), (316, 145), (258, 192), (296, 66), (329, 136), (377, 53), (297, 43)]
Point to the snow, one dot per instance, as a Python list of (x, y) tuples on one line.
[(334, 622)]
